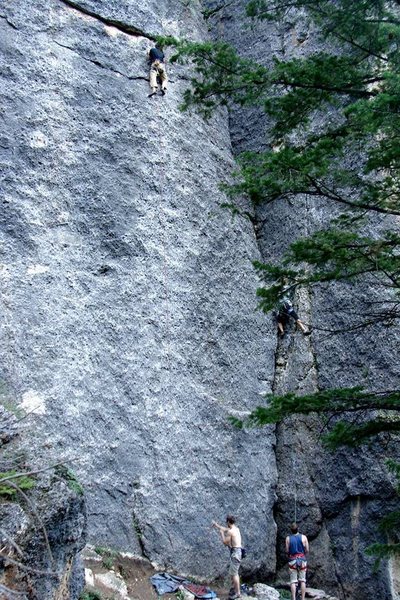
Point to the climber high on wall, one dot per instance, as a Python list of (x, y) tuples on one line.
[(157, 70)]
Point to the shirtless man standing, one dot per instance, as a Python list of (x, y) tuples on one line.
[(231, 537)]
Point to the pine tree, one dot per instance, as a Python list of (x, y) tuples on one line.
[(361, 81), (355, 78)]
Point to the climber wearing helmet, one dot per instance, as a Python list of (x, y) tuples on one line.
[(285, 313)]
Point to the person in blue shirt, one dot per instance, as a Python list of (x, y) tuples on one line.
[(157, 70), (297, 549)]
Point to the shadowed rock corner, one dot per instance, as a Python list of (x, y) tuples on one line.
[(42, 525)]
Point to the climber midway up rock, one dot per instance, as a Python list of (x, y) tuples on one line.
[(157, 70), (285, 313), (231, 537), (297, 549)]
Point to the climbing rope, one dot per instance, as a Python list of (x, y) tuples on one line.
[(163, 224), (295, 475)]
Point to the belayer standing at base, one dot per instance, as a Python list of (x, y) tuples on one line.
[(297, 549), (231, 537), (157, 70)]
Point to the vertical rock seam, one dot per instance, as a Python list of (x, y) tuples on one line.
[(328, 485)]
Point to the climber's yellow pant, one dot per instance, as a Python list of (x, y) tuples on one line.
[(158, 69)]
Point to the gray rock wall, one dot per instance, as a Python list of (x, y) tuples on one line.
[(338, 499), (128, 298), (42, 526)]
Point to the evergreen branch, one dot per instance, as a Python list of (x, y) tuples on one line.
[(331, 402), (23, 567), (10, 540), (36, 471), (8, 592), (255, 9), (390, 522), (383, 551), (36, 514), (353, 43), (208, 13), (355, 434), (329, 88), (357, 404), (324, 191), (383, 318)]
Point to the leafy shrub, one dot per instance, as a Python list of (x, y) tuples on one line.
[(108, 555), (70, 477), (24, 482), (86, 595)]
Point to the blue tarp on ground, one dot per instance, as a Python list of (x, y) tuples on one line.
[(168, 584), (165, 583)]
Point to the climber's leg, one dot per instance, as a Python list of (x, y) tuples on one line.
[(163, 77), (153, 81)]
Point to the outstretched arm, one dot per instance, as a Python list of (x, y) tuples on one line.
[(224, 532)]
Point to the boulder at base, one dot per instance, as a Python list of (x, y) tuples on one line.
[(265, 592)]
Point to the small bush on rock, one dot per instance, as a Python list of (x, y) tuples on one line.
[(90, 596), (70, 477), (108, 555), (24, 483)]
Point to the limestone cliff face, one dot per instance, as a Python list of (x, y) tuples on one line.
[(338, 499), (128, 298)]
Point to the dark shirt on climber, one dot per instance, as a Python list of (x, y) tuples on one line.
[(296, 547), (156, 54)]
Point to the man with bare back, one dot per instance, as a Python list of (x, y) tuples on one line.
[(231, 537)]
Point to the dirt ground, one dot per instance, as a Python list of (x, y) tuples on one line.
[(136, 575)]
